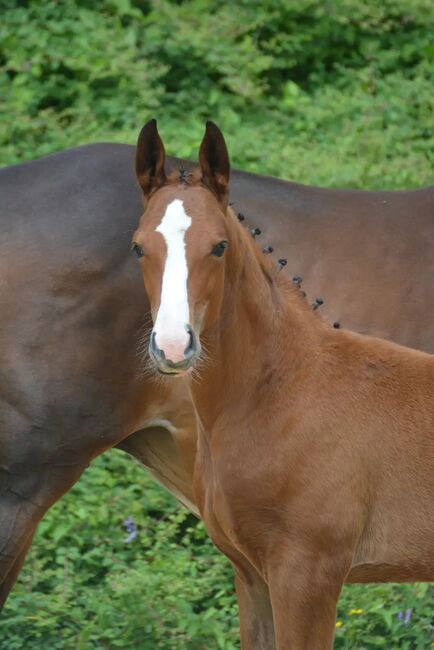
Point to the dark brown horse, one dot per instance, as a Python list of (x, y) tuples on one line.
[(74, 310), (315, 456)]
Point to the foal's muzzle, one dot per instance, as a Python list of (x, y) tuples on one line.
[(167, 366)]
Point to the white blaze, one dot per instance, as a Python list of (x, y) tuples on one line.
[(173, 313)]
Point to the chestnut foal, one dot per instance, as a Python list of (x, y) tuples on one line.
[(315, 461)]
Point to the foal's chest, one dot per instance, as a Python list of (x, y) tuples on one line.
[(232, 498)]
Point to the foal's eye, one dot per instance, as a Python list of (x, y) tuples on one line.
[(138, 250), (219, 249)]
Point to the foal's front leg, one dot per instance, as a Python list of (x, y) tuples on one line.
[(304, 589), (256, 616)]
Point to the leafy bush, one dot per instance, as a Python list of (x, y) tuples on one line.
[(88, 583), (332, 93)]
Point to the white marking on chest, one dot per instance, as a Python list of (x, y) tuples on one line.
[(173, 313)]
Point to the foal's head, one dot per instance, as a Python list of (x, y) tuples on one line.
[(181, 242)]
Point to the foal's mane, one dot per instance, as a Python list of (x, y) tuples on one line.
[(282, 287)]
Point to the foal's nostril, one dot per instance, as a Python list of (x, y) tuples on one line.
[(192, 344), (154, 349)]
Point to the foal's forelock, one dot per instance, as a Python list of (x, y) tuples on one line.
[(173, 314)]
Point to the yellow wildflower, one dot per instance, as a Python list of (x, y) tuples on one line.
[(339, 623), (354, 612)]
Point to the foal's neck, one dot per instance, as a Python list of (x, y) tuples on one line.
[(266, 333)]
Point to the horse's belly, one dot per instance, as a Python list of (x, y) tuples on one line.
[(398, 544), (412, 572)]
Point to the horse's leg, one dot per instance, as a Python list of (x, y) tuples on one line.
[(256, 616), (304, 589), (13, 572), (29, 485)]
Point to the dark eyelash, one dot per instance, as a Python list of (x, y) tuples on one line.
[(138, 250), (219, 249)]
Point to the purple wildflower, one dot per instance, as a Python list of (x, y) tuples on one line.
[(131, 529), (407, 616), (404, 618)]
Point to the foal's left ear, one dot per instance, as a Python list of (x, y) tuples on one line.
[(150, 158), (214, 162)]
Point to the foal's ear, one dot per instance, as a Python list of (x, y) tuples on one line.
[(150, 157), (214, 162)]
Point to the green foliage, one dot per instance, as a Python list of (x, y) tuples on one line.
[(84, 586), (332, 93)]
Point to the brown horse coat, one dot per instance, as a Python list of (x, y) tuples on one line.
[(315, 461)]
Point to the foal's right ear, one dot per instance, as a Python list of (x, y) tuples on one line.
[(150, 157)]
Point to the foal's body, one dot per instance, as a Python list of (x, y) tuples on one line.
[(315, 460)]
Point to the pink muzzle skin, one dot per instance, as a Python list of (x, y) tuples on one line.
[(174, 350), (173, 356)]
